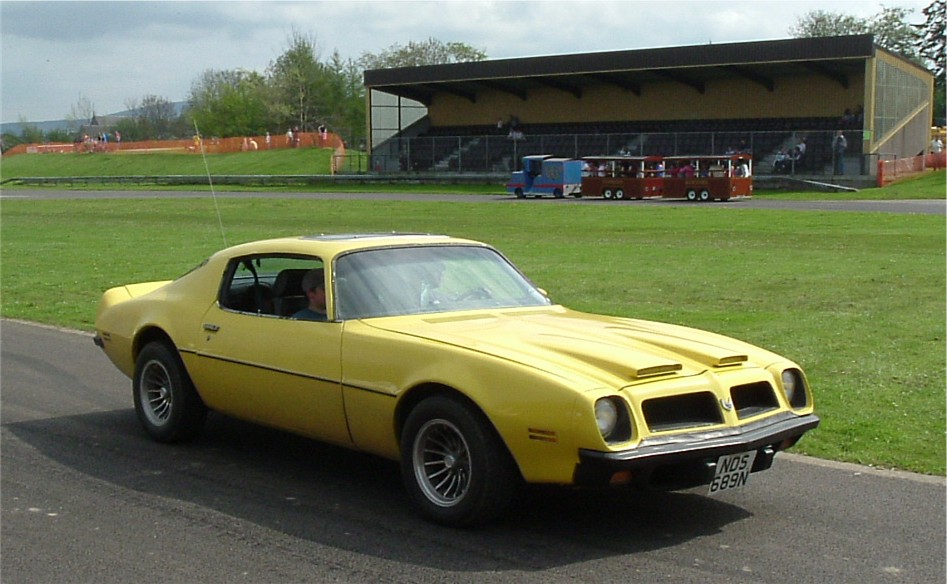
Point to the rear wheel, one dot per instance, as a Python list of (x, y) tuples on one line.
[(519, 193), (607, 193), (692, 195), (619, 195), (704, 195), (455, 468), (557, 193), (166, 402)]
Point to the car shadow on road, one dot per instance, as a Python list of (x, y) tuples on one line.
[(355, 502)]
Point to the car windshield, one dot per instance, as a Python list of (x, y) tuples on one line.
[(413, 280)]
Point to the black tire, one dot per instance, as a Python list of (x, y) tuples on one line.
[(455, 468), (519, 193), (607, 193), (619, 195), (166, 402), (704, 195), (692, 195), (557, 193)]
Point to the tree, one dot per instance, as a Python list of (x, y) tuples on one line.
[(893, 32), (297, 80), (80, 113), (30, 133), (820, 23), (60, 135), (229, 103), (345, 99), (889, 28), (931, 44), (429, 52), (153, 119), (932, 48)]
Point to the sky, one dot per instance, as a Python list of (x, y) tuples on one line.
[(54, 55)]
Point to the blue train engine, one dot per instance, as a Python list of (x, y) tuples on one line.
[(544, 174)]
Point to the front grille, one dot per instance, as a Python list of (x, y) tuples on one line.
[(681, 411), (753, 399)]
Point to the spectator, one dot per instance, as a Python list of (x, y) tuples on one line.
[(848, 119), (798, 154), (936, 145), (742, 168), (839, 145), (314, 286), (781, 162)]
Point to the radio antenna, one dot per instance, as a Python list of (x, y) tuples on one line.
[(210, 181)]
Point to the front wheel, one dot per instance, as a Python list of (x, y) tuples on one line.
[(455, 468), (166, 402)]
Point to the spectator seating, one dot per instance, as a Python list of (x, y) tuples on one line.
[(485, 147)]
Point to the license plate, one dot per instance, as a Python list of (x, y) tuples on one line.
[(733, 471)]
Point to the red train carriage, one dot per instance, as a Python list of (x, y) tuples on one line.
[(706, 178), (621, 177)]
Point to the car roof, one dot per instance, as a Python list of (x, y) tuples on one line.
[(332, 244)]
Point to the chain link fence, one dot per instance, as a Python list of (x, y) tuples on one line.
[(774, 152)]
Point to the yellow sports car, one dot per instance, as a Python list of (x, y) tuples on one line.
[(438, 352)]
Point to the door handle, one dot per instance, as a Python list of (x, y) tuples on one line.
[(211, 327)]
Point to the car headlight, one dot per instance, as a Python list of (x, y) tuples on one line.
[(606, 416), (795, 388)]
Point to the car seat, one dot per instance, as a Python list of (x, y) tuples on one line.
[(288, 295)]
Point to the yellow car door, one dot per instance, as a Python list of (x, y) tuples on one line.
[(275, 371)]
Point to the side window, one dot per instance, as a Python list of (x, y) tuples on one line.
[(267, 285)]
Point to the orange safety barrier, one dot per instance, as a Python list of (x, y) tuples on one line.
[(892, 170), (194, 145)]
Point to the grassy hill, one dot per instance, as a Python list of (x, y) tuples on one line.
[(301, 161)]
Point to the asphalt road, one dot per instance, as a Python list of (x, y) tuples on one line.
[(85, 496), (925, 207)]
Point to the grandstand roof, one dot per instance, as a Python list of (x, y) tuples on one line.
[(762, 62)]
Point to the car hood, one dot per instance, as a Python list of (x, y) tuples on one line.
[(606, 350)]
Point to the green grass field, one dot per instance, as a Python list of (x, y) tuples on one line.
[(856, 298)]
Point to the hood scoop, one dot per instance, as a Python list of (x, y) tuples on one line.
[(704, 353), (618, 359)]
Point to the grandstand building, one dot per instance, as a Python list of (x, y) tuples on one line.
[(762, 97)]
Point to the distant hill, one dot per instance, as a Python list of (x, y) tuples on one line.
[(48, 126), (51, 125)]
